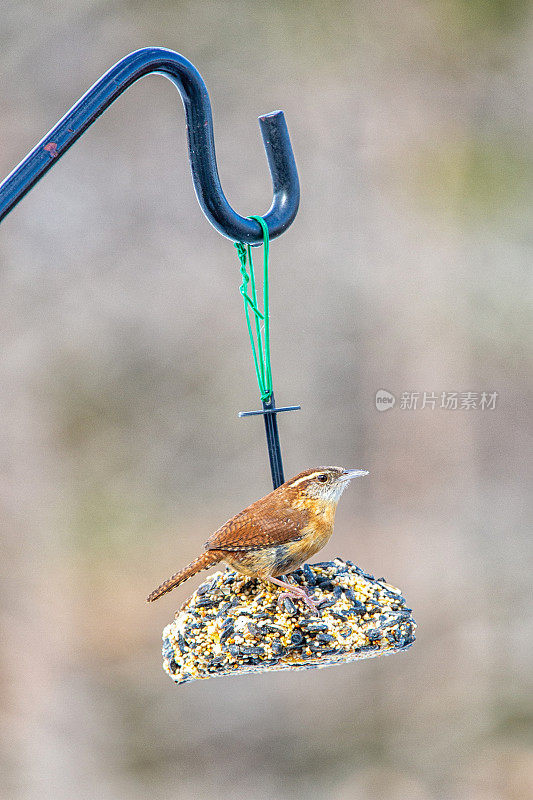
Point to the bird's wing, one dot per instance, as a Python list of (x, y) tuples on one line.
[(259, 526)]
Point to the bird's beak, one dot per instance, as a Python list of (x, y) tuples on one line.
[(348, 474)]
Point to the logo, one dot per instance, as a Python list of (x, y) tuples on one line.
[(384, 400)]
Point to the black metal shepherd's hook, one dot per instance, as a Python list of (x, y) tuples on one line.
[(204, 170)]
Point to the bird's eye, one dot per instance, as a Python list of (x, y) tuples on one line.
[(322, 478)]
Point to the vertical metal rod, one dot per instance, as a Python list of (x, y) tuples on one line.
[(274, 448)]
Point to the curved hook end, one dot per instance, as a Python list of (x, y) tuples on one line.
[(283, 170)]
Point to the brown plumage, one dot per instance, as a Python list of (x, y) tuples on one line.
[(277, 533), (204, 561)]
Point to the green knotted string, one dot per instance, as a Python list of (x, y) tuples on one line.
[(261, 350)]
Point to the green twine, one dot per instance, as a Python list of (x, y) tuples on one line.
[(261, 352)]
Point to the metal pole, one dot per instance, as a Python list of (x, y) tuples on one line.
[(188, 81)]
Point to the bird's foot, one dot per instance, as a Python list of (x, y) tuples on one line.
[(295, 593)]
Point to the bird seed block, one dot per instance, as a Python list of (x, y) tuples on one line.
[(234, 625)]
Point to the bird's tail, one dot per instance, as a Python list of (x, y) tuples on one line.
[(204, 561)]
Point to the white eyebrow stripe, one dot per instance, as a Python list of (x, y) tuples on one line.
[(307, 478)]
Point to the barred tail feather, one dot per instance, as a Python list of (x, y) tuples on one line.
[(204, 561)]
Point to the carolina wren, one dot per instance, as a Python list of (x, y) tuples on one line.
[(277, 533)]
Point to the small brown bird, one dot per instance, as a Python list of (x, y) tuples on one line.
[(276, 534)]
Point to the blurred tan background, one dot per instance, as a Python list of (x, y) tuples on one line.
[(124, 362)]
